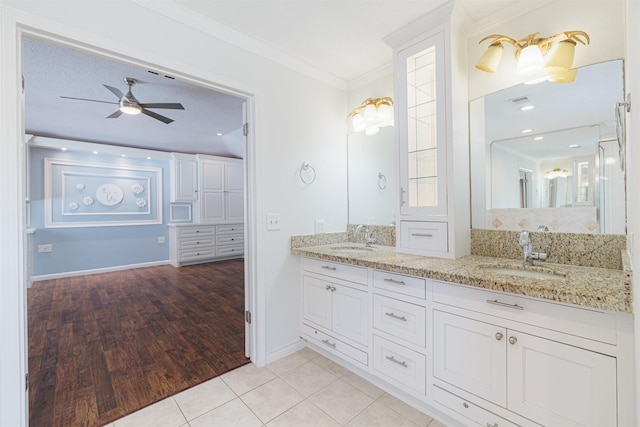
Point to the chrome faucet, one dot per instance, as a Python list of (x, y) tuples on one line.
[(368, 238), (528, 254)]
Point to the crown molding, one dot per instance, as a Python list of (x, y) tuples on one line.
[(508, 13), (370, 76), (215, 29)]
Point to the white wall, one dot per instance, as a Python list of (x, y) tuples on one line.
[(288, 130)]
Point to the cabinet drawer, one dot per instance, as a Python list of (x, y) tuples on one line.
[(399, 364), (582, 322), (407, 285), (473, 413), (334, 345), (231, 239), (230, 250), (337, 270), (230, 228), (198, 242), (400, 319), (424, 236), (198, 253), (195, 231)]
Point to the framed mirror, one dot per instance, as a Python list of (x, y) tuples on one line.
[(372, 186), (548, 155)]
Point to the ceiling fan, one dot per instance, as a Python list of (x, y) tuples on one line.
[(130, 105)]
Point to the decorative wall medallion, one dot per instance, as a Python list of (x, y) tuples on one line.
[(80, 187), (88, 201), (109, 194), (141, 203), (73, 206), (137, 188)]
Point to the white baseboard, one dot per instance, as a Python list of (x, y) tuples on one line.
[(96, 270), (286, 350)]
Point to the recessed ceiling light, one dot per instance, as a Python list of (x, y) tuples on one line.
[(527, 130), (123, 155), (64, 148), (95, 152), (219, 133), (527, 108), (538, 138), (574, 146), (148, 158)]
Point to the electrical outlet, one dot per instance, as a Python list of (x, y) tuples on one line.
[(273, 221), (45, 248), (161, 239), (318, 226)]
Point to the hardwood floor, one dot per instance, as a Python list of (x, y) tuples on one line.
[(102, 346)]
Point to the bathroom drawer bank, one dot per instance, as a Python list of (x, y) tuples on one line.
[(416, 332)]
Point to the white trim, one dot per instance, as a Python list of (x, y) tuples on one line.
[(286, 350), (98, 270), (206, 25), (371, 76)]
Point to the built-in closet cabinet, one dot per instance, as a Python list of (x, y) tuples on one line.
[(221, 188), (433, 211), (184, 178)]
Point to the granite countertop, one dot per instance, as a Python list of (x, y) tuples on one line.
[(601, 288)]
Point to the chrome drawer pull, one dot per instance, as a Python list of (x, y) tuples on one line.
[(492, 425), (504, 304), (396, 361), (395, 316), (330, 344), (326, 267), (421, 235), (397, 282)]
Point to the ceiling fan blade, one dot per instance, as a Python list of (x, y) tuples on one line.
[(168, 105), (115, 115), (92, 100), (115, 91), (156, 116)]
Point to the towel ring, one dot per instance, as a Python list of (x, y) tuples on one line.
[(306, 166), (382, 181)]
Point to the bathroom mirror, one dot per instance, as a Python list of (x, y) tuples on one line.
[(548, 154), (371, 164)]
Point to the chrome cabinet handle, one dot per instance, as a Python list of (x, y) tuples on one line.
[(395, 316), (499, 336), (327, 287), (333, 288), (326, 267), (421, 235), (492, 425), (330, 344), (396, 361), (397, 282), (504, 304), (513, 340)]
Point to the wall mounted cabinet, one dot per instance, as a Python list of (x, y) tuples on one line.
[(222, 189), (184, 178)]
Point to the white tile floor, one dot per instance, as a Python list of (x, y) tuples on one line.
[(303, 389)]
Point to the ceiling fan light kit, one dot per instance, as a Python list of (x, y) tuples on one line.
[(128, 104)]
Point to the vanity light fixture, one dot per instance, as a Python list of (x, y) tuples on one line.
[(556, 173), (538, 138), (552, 55), (526, 130), (371, 115)]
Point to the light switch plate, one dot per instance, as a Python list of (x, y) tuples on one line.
[(273, 221)]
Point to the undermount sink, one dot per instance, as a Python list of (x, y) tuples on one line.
[(523, 272), (352, 248)]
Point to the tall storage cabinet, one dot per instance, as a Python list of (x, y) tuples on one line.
[(222, 189), (433, 150)]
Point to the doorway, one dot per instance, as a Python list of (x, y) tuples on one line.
[(248, 264)]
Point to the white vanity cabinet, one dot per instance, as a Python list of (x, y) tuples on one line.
[(184, 178), (541, 362), (432, 149), (335, 308)]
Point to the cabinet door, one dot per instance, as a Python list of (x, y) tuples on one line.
[(234, 207), (316, 301), (234, 176), (211, 175), (422, 127), (557, 384), (185, 180), (350, 313), (471, 355), (212, 206)]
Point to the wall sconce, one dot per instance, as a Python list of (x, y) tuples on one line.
[(553, 55), (371, 116)]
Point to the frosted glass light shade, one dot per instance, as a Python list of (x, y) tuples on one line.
[(370, 112), (357, 123), (371, 130), (490, 60), (560, 57), (385, 112), (530, 60)]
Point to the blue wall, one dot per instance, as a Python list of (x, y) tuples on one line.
[(88, 248)]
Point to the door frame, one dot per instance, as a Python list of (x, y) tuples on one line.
[(13, 314)]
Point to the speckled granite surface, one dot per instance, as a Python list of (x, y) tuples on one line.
[(608, 289), (588, 250), (317, 239)]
